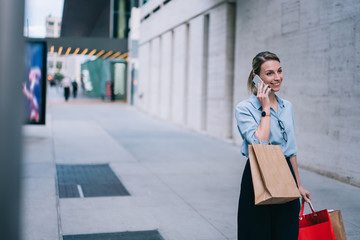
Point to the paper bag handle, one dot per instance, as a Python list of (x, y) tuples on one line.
[(260, 140), (302, 209)]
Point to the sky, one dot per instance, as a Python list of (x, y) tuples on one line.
[(36, 12)]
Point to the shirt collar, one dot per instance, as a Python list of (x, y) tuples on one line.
[(255, 102), (280, 101)]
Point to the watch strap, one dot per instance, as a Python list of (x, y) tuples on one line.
[(265, 114)]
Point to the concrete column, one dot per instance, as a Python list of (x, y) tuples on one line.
[(165, 75), (154, 66), (195, 64), (11, 99), (220, 71), (178, 87), (144, 77)]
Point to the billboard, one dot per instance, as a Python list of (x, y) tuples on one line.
[(34, 85)]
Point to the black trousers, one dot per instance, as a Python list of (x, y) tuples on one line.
[(66, 93), (265, 222)]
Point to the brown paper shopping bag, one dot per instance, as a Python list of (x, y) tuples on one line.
[(337, 224), (272, 179)]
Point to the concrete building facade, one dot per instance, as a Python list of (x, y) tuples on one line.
[(53, 26), (71, 65), (195, 57)]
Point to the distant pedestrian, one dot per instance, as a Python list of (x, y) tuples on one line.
[(267, 117), (74, 88), (66, 85)]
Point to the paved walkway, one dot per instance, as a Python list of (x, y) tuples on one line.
[(181, 183)]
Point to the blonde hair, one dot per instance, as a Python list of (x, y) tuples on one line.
[(257, 61)]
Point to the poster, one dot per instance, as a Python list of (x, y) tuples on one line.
[(34, 85)]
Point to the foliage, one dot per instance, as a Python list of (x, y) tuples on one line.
[(58, 76)]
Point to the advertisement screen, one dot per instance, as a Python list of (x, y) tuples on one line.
[(34, 85)]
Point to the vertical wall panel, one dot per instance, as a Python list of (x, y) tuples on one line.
[(195, 76), (219, 106), (186, 79), (165, 75), (159, 87), (205, 70), (143, 93), (155, 74), (179, 74)]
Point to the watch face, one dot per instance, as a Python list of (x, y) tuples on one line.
[(263, 113)]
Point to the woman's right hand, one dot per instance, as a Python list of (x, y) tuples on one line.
[(305, 194), (263, 91), (263, 130)]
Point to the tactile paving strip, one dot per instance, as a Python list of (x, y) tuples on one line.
[(88, 181)]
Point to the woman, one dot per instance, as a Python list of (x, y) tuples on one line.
[(267, 117)]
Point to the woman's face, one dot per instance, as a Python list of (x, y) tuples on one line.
[(272, 75)]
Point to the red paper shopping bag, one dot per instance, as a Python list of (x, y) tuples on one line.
[(315, 226)]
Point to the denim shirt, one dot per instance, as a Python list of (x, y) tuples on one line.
[(248, 116)]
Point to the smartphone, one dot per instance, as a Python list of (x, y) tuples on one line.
[(256, 80)]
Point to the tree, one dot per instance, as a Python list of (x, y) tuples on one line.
[(58, 76)]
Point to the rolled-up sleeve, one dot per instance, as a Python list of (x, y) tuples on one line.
[(248, 117), (246, 123)]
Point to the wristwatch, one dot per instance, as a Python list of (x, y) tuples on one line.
[(264, 114)]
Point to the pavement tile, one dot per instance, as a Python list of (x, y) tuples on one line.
[(182, 183)]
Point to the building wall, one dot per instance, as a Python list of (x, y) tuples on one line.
[(71, 65), (53, 27), (133, 60), (220, 71), (155, 77), (144, 77), (52, 59), (166, 75), (318, 43), (178, 108), (196, 82), (175, 13), (188, 88)]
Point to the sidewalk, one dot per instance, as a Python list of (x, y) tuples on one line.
[(181, 183)]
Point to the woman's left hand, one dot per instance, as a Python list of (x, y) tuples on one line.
[(305, 194)]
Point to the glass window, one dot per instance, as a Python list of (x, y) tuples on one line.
[(135, 3), (121, 19)]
